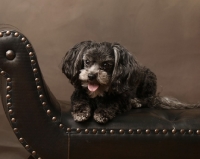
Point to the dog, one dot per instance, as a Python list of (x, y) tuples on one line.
[(109, 81)]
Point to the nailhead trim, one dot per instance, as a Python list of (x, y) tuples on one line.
[(23, 39), (78, 130), (21, 140), (103, 131), (35, 69), (164, 131), (34, 153), (94, 131), (87, 131), (10, 107), (182, 131), (148, 131), (15, 130), (39, 88), (112, 131), (174, 131), (190, 131), (121, 131), (68, 129), (131, 131), (61, 126), (16, 34), (27, 147), (8, 33)]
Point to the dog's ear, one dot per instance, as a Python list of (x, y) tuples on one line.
[(125, 71), (72, 62)]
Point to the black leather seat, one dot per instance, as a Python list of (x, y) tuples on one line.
[(45, 127)]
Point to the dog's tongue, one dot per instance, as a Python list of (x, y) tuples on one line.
[(93, 87)]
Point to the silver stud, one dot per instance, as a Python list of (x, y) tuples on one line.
[(10, 55), (10, 111), (87, 131), (33, 61), (31, 53), (94, 131), (190, 131), (54, 118), (8, 88), (39, 158), (156, 131), (16, 34), (121, 131), (8, 96), (139, 131), (44, 103), (61, 126), (68, 129), (112, 131), (35, 70), (15, 130), (182, 131), (78, 130), (13, 120), (148, 131), (198, 132), (9, 104), (38, 87), (27, 147), (1, 34), (164, 131), (8, 32), (21, 140), (3, 73), (37, 79), (41, 96), (23, 39), (103, 131), (130, 131), (33, 152), (174, 131), (28, 46), (8, 79), (48, 112)]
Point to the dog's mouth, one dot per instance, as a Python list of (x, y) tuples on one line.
[(92, 87)]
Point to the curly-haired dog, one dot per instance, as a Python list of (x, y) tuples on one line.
[(109, 81)]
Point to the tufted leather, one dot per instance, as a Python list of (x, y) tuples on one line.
[(46, 129)]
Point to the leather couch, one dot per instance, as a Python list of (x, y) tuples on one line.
[(44, 126)]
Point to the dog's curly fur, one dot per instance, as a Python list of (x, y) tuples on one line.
[(109, 81)]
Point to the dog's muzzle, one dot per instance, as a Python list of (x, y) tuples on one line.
[(92, 84)]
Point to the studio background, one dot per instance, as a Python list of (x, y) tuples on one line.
[(163, 35)]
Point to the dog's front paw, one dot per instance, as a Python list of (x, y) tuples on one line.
[(80, 117), (136, 103), (103, 115), (81, 114)]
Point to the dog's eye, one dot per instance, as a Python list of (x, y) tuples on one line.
[(87, 62), (106, 65)]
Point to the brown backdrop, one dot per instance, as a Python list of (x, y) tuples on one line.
[(164, 35)]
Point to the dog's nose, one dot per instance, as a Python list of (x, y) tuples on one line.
[(92, 76)]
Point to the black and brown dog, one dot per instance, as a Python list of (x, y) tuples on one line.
[(109, 81)]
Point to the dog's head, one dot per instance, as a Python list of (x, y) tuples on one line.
[(100, 67)]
